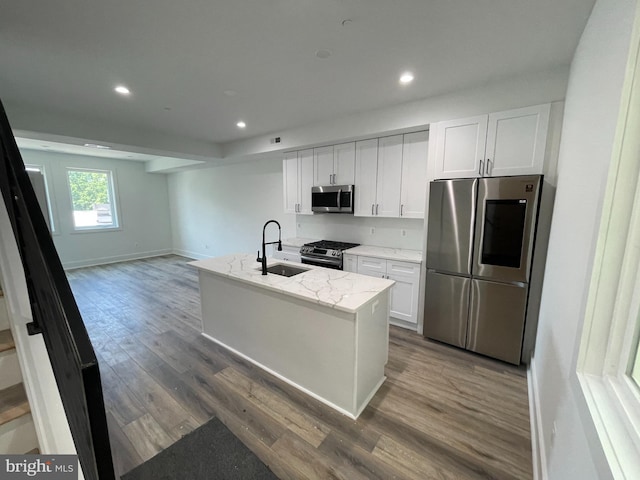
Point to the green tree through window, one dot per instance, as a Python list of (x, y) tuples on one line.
[(88, 189), (92, 198)]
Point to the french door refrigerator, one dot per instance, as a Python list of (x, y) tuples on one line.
[(480, 242)]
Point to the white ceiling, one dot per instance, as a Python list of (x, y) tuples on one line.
[(66, 56)]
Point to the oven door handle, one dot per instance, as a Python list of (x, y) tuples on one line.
[(318, 259)]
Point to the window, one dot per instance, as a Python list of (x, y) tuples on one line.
[(41, 188), (608, 364), (92, 199)]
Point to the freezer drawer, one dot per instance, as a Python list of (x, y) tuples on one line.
[(496, 319), (451, 222), (446, 308)]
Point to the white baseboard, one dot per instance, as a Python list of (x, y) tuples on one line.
[(91, 262), (189, 254), (538, 454)]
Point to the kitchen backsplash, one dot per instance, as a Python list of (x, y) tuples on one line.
[(383, 232)]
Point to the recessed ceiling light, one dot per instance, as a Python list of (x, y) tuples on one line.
[(241, 124), (122, 90), (406, 78), (322, 53), (95, 145)]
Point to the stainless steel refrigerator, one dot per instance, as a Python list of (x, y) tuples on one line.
[(480, 243)]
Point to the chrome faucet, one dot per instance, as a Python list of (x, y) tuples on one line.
[(263, 260)]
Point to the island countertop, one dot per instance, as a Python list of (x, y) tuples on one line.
[(332, 288)]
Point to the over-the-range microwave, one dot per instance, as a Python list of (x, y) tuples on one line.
[(332, 199)]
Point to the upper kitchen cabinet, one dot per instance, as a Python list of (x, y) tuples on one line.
[(391, 176), (334, 165), (297, 168), (414, 173), (366, 177), (378, 177), (512, 142)]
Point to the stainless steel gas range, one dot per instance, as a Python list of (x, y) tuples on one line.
[(325, 253)]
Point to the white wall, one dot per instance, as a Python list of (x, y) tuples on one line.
[(221, 210), (143, 204), (591, 109)]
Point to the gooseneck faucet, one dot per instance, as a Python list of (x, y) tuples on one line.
[(263, 260)]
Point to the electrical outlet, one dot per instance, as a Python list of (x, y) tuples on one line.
[(403, 232), (372, 231), (299, 226)]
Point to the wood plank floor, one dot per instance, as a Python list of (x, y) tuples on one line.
[(442, 413)]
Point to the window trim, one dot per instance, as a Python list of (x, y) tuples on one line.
[(612, 320), (117, 224)]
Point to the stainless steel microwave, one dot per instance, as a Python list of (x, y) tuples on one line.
[(332, 199)]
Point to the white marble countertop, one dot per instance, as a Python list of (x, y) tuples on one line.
[(414, 256), (332, 288)]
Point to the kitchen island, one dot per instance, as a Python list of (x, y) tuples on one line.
[(323, 331)]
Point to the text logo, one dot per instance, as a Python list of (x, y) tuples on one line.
[(45, 467)]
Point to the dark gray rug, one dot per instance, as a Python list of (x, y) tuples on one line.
[(209, 452)]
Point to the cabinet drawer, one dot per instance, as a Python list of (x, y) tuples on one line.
[(373, 265), (406, 269)]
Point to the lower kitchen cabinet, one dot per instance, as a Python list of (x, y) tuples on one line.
[(404, 294)]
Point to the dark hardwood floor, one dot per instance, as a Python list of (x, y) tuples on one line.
[(442, 413)]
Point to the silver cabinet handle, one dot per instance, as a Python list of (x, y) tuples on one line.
[(401, 208), (376, 208), (481, 167), (372, 209), (489, 167)]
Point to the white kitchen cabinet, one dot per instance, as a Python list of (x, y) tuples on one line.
[(378, 177), (334, 165), (413, 192), (404, 294), (297, 170), (389, 176), (289, 253), (366, 176), (512, 142), (350, 263)]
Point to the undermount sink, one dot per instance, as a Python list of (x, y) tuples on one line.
[(285, 270)]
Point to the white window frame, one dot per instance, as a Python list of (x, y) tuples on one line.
[(115, 214), (612, 321), (53, 220)]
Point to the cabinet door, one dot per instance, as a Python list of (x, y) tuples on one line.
[(389, 176), (305, 181), (516, 141), (350, 263), (414, 174), (344, 163), (323, 166), (290, 182), (404, 294), (366, 173), (460, 147)]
